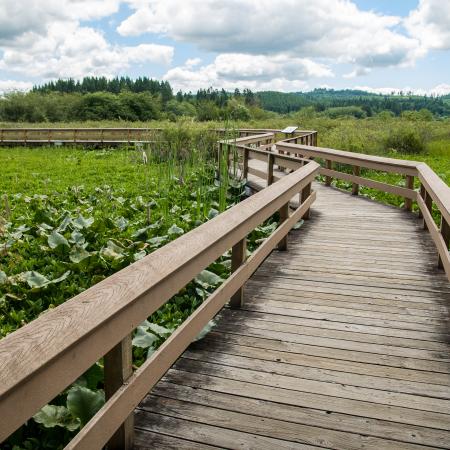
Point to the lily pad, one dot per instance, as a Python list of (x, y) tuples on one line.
[(143, 338), (208, 279), (77, 254), (174, 230), (51, 416), (82, 222), (56, 239), (83, 403), (112, 251)]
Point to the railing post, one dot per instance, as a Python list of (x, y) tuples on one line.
[(355, 186), (445, 232), (238, 256), (245, 164), (409, 185), (270, 160), (118, 368), (422, 194), (429, 204), (284, 215), (306, 191), (329, 165)]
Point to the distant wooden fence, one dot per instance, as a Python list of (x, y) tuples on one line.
[(81, 136)]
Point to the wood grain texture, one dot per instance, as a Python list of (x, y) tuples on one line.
[(342, 342)]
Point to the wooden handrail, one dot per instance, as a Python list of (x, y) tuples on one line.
[(42, 358), (405, 167)]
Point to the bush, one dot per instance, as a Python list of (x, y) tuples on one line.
[(405, 140), (346, 111), (237, 111), (207, 110)]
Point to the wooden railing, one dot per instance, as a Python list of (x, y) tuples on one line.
[(77, 135), (41, 359), (432, 190), (261, 151)]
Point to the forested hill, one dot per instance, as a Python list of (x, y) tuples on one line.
[(322, 99), (142, 99)]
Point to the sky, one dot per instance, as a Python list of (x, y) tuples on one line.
[(285, 45)]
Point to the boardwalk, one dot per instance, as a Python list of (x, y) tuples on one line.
[(341, 343)]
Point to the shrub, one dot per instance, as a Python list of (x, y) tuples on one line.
[(346, 111), (405, 140)]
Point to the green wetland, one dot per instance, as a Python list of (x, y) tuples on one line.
[(70, 217)]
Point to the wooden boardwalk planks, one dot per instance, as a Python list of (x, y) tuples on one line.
[(342, 343)]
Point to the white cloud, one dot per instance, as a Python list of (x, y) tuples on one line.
[(14, 85), (256, 72), (192, 62), (49, 41), (334, 29), (430, 23)]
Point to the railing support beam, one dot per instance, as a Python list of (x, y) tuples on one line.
[(238, 257), (306, 191), (118, 368), (329, 165), (270, 160), (409, 185), (429, 204), (445, 232), (355, 186), (284, 215)]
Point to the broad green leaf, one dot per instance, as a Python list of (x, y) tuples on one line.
[(206, 329), (143, 339), (82, 222), (210, 279), (121, 223), (142, 232), (112, 251), (150, 352), (61, 278), (157, 241), (64, 224), (174, 230), (139, 255), (212, 213), (77, 254), (77, 238), (51, 416), (56, 239), (158, 329), (34, 279), (83, 403), (298, 224)]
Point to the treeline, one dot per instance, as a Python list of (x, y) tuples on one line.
[(143, 99), (129, 106), (89, 85), (371, 104)]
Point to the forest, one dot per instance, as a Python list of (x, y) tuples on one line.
[(143, 99)]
